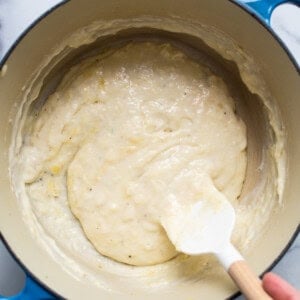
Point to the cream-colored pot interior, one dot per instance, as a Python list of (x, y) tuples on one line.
[(281, 79)]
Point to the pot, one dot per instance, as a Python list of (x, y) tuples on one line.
[(247, 22)]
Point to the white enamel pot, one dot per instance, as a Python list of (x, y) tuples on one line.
[(247, 22)]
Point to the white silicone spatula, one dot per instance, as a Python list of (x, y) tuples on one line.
[(205, 227)]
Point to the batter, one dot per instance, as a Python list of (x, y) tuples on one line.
[(128, 136)]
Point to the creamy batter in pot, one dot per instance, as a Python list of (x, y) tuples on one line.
[(129, 134), (125, 137)]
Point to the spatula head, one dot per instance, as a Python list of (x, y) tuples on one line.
[(203, 227)]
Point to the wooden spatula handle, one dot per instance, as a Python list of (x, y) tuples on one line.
[(249, 284)]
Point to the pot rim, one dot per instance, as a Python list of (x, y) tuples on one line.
[(60, 4)]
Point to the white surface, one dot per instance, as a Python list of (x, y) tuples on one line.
[(286, 23), (16, 15)]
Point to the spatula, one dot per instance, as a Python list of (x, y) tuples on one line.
[(206, 227)]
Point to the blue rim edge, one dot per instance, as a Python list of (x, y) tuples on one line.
[(265, 8), (257, 17), (27, 272), (246, 9)]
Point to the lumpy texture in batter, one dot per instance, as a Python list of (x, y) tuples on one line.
[(127, 137)]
